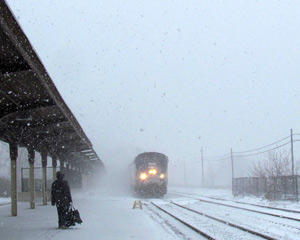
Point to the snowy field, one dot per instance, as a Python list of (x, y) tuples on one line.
[(108, 214)]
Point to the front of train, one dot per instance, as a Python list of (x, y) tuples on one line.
[(151, 174)]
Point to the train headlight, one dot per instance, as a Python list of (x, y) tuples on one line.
[(153, 171), (162, 176), (143, 176)]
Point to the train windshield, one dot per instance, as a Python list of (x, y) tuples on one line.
[(151, 161)]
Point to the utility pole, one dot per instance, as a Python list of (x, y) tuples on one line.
[(292, 153), (232, 170), (202, 167), (184, 173), (295, 183)]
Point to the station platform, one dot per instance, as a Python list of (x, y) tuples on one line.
[(105, 216)]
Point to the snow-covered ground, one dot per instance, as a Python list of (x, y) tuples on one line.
[(108, 214), (226, 194), (4, 200)]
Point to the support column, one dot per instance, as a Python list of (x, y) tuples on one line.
[(44, 167), (13, 149), (79, 177), (62, 162), (54, 165), (67, 172), (31, 157)]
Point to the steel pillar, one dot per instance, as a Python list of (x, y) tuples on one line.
[(31, 158), (44, 169), (54, 165), (13, 149)]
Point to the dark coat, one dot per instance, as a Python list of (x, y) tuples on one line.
[(60, 193)]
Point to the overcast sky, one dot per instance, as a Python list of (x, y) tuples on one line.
[(171, 76)]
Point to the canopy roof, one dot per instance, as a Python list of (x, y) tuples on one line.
[(32, 112)]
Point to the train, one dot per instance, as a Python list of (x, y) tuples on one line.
[(150, 174)]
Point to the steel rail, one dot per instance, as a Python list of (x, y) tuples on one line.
[(185, 223), (227, 223), (246, 209), (256, 205)]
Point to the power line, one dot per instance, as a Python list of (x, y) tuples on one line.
[(216, 160), (264, 146), (227, 156), (259, 153), (219, 157)]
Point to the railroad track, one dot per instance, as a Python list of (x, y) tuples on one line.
[(255, 205), (250, 204), (197, 230), (205, 234), (246, 209)]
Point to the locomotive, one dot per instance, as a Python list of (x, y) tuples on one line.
[(150, 174)]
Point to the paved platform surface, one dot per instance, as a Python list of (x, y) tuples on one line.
[(104, 217)]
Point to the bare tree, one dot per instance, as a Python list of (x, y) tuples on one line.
[(274, 164), (271, 168)]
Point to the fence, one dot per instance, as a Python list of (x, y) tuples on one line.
[(74, 179), (283, 187), (38, 181)]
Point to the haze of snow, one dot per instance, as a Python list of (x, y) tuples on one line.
[(172, 76), (108, 214)]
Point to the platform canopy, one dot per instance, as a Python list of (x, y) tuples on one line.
[(32, 112)]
